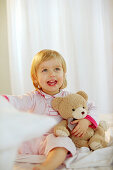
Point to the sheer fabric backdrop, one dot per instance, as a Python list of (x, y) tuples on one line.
[(81, 30)]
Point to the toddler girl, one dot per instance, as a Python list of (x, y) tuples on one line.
[(48, 73)]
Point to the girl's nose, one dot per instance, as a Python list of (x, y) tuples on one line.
[(52, 73)]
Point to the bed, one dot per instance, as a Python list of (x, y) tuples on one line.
[(101, 159)]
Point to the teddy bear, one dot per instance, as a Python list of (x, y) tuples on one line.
[(72, 107)]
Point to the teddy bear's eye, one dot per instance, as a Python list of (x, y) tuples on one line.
[(73, 109)]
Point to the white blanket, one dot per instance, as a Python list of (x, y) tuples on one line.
[(86, 158), (16, 127)]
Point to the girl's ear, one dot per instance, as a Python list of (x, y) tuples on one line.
[(56, 102), (35, 82)]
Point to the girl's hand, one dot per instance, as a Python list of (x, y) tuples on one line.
[(81, 127)]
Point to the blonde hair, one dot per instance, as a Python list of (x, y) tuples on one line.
[(42, 56)]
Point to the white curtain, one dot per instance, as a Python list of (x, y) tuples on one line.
[(81, 30)]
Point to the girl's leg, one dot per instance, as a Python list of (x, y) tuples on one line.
[(54, 159)]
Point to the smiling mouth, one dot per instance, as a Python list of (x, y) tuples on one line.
[(52, 83)]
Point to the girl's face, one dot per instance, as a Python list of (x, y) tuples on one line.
[(50, 76)]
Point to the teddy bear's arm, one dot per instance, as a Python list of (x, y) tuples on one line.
[(61, 129)]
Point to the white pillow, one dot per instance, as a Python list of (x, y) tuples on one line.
[(16, 127)]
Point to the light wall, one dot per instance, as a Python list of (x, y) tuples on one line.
[(5, 87)]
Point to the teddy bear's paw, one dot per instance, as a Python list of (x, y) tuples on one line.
[(62, 133), (95, 145)]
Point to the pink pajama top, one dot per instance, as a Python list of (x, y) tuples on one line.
[(38, 102)]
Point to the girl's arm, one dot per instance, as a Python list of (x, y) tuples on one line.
[(22, 102)]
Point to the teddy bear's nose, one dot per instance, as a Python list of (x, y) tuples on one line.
[(74, 119), (82, 113)]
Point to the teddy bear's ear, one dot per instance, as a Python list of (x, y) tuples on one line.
[(55, 103), (83, 94)]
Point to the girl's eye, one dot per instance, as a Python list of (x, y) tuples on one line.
[(57, 69), (44, 70)]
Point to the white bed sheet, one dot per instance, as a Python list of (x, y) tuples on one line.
[(101, 159)]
